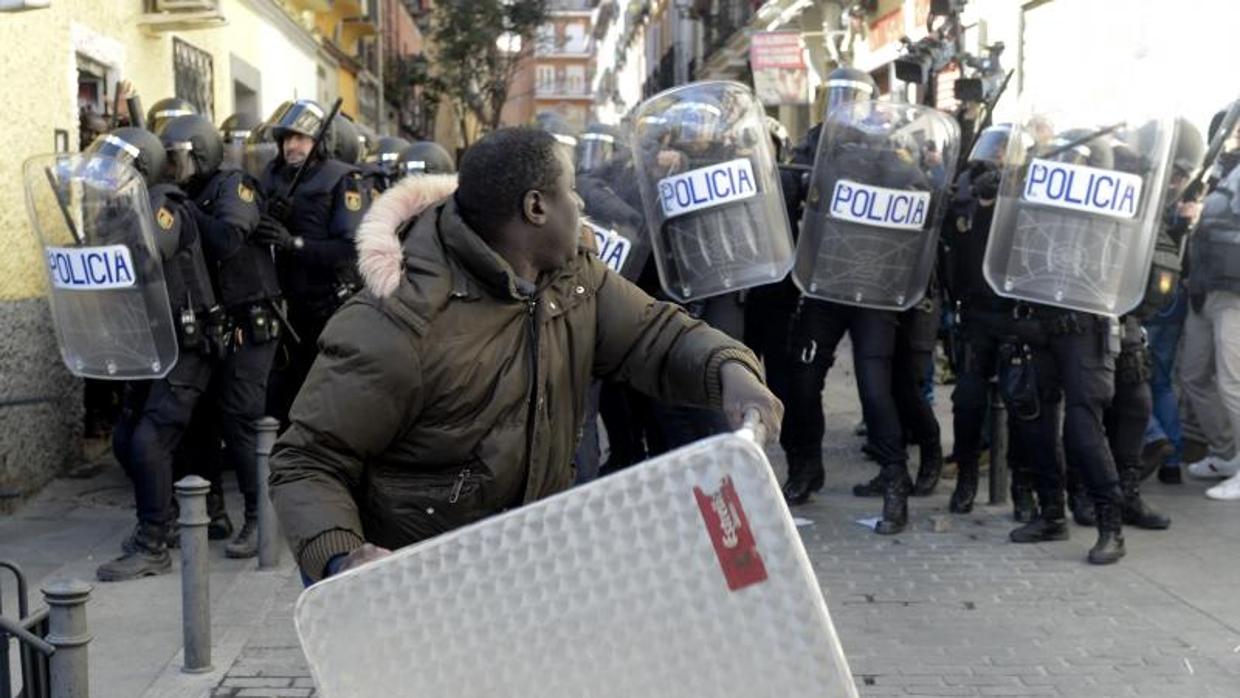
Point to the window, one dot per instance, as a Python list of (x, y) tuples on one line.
[(194, 71), (546, 75)]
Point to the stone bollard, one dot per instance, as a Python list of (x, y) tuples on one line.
[(66, 620), (195, 574), (998, 450), (268, 524)]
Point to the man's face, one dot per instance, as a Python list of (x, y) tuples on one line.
[(563, 228), (297, 148)]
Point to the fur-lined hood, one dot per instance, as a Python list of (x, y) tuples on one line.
[(379, 253)]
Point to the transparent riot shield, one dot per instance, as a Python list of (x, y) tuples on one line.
[(106, 285), (682, 576), (880, 188), (623, 248), (710, 189), (1077, 216)]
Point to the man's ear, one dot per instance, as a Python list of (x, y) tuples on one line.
[(534, 207)]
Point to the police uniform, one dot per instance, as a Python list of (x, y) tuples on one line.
[(816, 328), (157, 413), (982, 326), (326, 209), (245, 278)]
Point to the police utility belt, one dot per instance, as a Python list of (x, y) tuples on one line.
[(217, 332)]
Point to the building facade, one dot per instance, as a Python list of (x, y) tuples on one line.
[(66, 60)]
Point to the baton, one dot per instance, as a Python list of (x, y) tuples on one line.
[(60, 203), (279, 311), (1085, 139)]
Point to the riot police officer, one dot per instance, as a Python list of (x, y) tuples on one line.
[(981, 320), (597, 146), (1065, 357), (227, 213), (311, 227), (157, 413), (816, 329)]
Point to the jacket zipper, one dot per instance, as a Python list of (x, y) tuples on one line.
[(460, 483), (531, 419)]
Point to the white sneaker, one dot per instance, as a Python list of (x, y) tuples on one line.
[(1214, 467), (1227, 489)]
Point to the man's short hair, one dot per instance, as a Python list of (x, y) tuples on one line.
[(498, 170)]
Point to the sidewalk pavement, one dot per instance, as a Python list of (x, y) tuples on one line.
[(949, 608)]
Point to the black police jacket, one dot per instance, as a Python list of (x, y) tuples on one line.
[(966, 228), (326, 209), (244, 271), (180, 247)]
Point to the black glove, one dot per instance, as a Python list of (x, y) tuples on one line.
[(986, 184), (272, 232), (278, 208)]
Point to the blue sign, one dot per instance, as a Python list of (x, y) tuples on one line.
[(878, 206), (1082, 188), (90, 268), (706, 187)]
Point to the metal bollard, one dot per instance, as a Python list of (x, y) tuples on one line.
[(268, 524), (195, 574), (70, 664), (998, 450)]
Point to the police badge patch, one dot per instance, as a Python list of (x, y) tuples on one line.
[(353, 200), (245, 193), (164, 218)]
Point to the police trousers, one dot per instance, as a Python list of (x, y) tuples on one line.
[(815, 330), (154, 420), (916, 337), (1075, 370)]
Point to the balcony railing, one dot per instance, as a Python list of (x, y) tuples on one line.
[(553, 47), (572, 5), (562, 88)]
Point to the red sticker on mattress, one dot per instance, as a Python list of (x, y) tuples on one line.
[(730, 533)]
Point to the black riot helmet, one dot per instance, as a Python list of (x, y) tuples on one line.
[(343, 141), (387, 151), (165, 110), (136, 147), (597, 145), (238, 127), (424, 158), (366, 140), (235, 130), (1081, 146), (991, 145), (848, 85), (194, 148), (304, 116), (1190, 148)]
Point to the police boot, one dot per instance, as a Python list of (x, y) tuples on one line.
[(1024, 508), (1135, 511), (1082, 507), (1050, 525), (929, 469), (871, 488), (895, 499), (805, 476), (221, 527), (1110, 546), (966, 489), (246, 542), (145, 555)]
